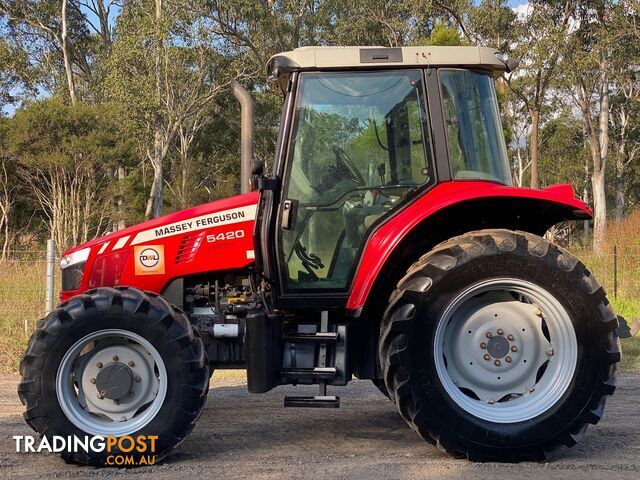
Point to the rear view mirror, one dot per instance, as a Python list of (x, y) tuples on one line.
[(257, 167)]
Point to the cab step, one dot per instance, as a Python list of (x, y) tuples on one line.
[(315, 373), (317, 401)]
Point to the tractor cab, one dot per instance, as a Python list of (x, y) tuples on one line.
[(365, 131)]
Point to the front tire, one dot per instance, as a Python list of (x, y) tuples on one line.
[(498, 345), (115, 362)]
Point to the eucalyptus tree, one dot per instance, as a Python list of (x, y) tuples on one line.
[(588, 59), (165, 69), (539, 33)]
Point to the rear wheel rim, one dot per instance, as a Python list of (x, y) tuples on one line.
[(505, 350), (98, 412)]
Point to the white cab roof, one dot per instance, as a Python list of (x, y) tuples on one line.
[(320, 58)]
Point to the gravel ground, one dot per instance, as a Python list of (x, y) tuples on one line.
[(252, 436)]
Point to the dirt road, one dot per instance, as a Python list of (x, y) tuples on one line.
[(252, 436)]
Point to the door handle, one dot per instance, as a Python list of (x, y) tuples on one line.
[(288, 214)]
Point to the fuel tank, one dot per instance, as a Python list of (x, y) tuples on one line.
[(209, 237)]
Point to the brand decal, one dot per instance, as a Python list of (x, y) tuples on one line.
[(219, 237), (149, 260), (225, 217)]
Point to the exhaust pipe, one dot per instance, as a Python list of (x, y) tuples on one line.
[(246, 133)]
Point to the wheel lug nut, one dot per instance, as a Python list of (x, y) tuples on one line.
[(115, 358), (499, 331), (138, 379), (497, 363), (486, 357), (514, 348), (488, 335), (131, 364), (510, 337), (93, 380), (99, 365), (116, 401), (483, 345), (507, 359), (549, 351)]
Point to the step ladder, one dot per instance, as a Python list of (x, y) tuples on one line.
[(320, 373)]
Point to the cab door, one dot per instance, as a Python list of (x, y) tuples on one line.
[(359, 147)]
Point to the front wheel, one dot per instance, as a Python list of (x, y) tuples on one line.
[(499, 345), (118, 363)]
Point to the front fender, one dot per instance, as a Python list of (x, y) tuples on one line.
[(450, 209)]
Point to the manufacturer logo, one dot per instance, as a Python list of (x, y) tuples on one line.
[(149, 257), (149, 260)]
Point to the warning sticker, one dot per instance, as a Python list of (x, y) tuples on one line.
[(149, 260)]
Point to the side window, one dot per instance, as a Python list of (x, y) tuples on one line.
[(358, 148), (475, 138)]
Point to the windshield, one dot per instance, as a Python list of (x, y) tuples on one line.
[(476, 143), (358, 148)]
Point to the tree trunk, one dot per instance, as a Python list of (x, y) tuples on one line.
[(65, 54), (105, 30), (600, 210), (619, 185), (535, 128), (154, 204), (121, 174), (598, 180), (585, 198)]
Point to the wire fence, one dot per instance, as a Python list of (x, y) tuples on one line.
[(617, 270), (23, 290), (23, 286)]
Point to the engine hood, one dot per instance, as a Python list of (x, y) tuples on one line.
[(216, 236), (172, 223)]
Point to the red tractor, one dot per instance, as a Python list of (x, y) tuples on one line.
[(388, 243)]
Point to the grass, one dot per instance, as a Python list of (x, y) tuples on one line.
[(22, 291), (629, 309), (22, 304)]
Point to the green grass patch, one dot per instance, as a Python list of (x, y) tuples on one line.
[(629, 309), (22, 292)]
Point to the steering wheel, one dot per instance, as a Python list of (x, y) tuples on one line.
[(344, 162)]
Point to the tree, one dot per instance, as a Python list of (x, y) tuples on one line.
[(167, 91), (65, 155), (540, 33), (589, 53), (625, 105)]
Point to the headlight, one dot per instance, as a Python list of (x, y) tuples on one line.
[(73, 258)]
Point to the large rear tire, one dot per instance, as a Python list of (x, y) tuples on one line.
[(498, 345), (115, 362)]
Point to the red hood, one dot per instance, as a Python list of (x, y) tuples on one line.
[(224, 204)]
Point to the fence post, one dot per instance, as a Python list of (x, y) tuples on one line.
[(615, 272), (51, 258)]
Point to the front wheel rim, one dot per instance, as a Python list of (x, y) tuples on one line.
[(99, 412), (505, 350)]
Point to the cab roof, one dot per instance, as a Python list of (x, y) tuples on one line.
[(347, 58)]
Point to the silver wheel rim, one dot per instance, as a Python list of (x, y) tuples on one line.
[(505, 350), (82, 402)]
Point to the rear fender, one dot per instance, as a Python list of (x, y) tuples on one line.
[(448, 210)]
